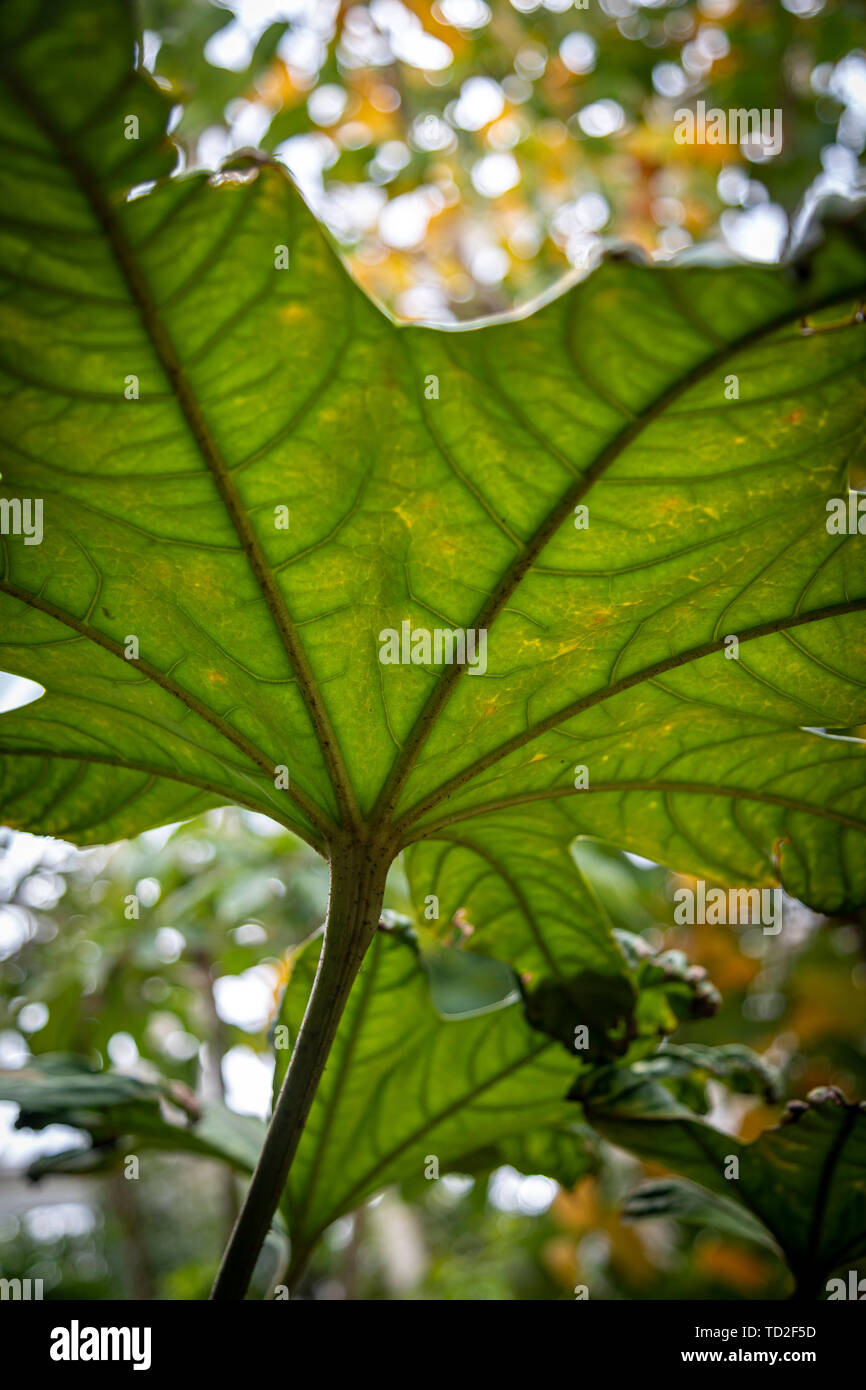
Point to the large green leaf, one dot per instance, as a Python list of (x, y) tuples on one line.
[(805, 1180), (403, 1084), (264, 388)]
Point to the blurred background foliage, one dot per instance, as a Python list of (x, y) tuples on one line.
[(466, 154), (189, 990)]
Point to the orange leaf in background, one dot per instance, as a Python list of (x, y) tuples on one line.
[(740, 1269)]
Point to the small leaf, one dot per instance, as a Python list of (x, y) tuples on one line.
[(110, 1106), (694, 1206)]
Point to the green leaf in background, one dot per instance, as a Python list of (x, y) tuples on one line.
[(694, 1064), (565, 1154), (110, 1106), (203, 89), (405, 1084), (231, 894), (804, 1180), (695, 1206)]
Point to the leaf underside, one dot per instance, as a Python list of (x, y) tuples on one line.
[(404, 1085), (258, 647), (61, 1090), (805, 1180)]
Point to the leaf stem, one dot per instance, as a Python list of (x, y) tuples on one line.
[(358, 872)]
